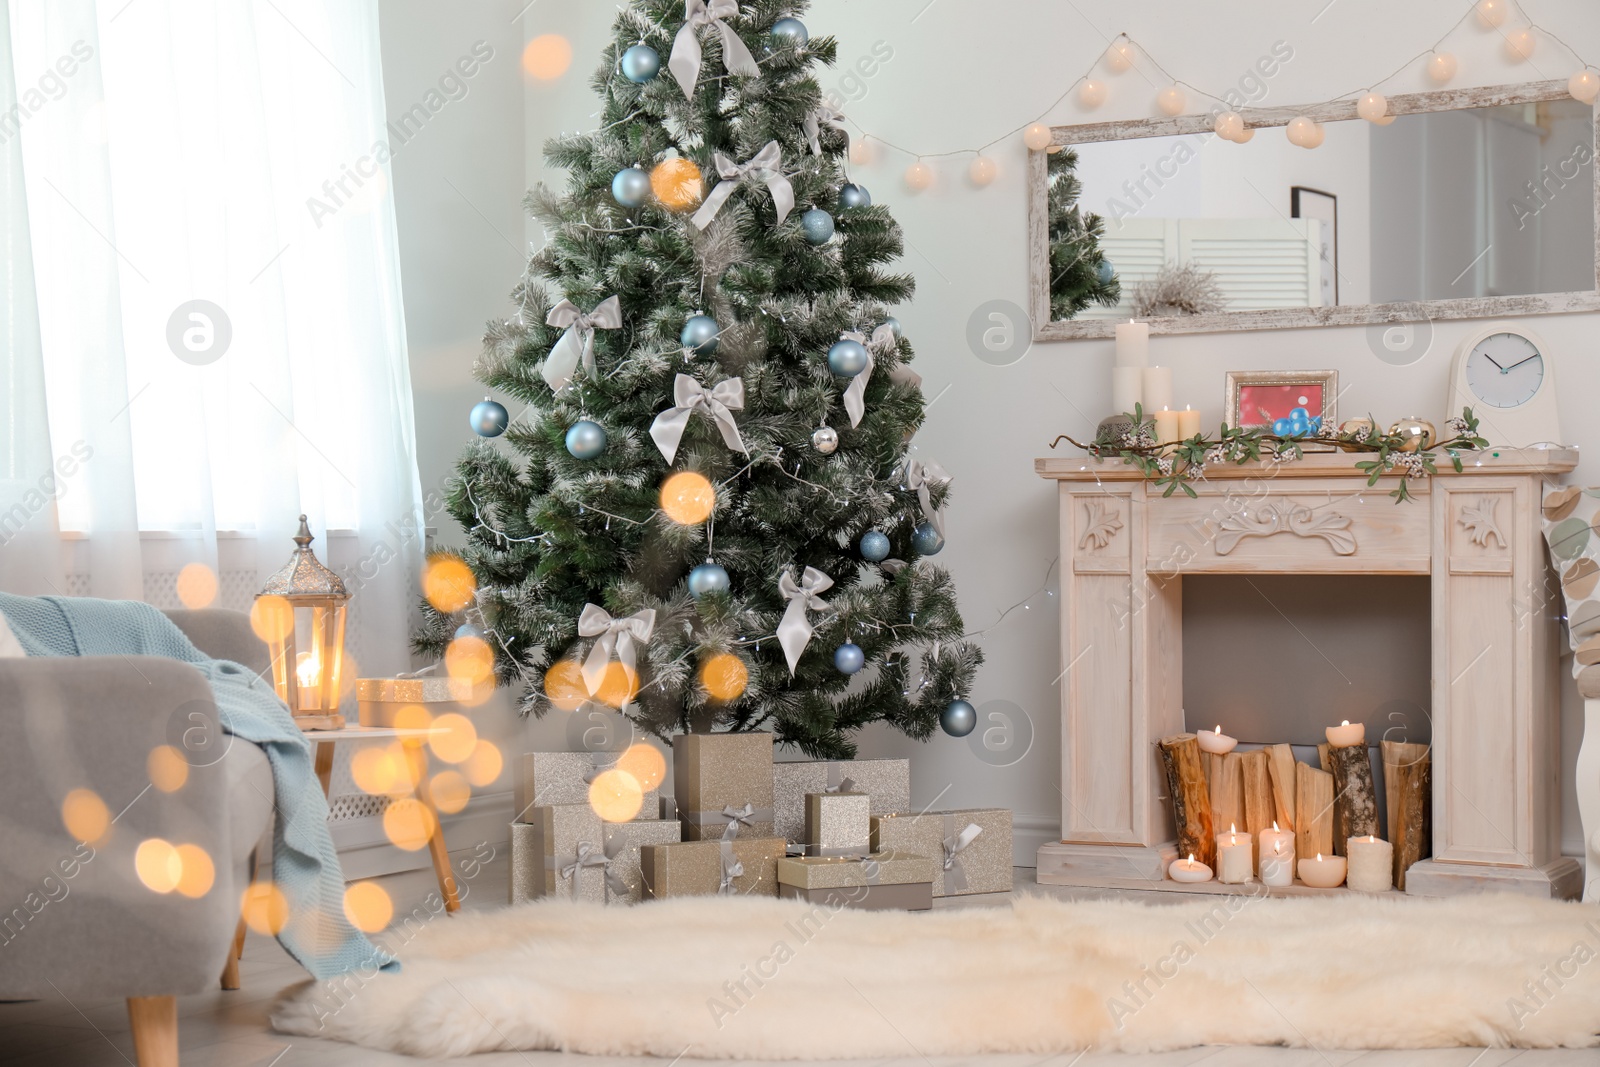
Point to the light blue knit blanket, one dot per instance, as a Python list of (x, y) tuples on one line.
[(304, 863)]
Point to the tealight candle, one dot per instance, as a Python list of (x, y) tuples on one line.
[(1277, 865), (1267, 839), (1371, 864), (1218, 743), (1324, 872), (1346, 733), (1189, 870), (1235, 857)]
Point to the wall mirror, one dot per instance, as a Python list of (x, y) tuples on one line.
[(1469, 203)]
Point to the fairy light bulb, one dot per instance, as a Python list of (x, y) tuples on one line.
[(982, 171), (1491, 13), (1119, 57), (861, 151), (1584, 86), (1091, 94), (1229, 125), (1316, 136), (1372, 107), (1171, 100), (1244, 136), (1301, 131), (1037, 137), (919, 176), (1519, 44), (1442, 67)]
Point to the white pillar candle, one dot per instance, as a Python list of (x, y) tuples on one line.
[(1277, 864), (1235, 857), (1133, 344), (1188, 423), (1217, 743), (1346, 733), (1166, 425), (1277, 840), (1127, 389), (1371, 864), (1189, 870), (1157, 388), (1324, 872)]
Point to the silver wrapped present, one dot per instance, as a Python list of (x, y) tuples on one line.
[(564, 778), (838, 824), (886, 781), (559, 851)]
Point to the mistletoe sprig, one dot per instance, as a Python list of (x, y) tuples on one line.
[(1175, 465)]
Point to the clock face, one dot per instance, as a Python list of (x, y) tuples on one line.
[(1505, 370)]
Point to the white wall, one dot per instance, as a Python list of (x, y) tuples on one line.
[(962, 73)]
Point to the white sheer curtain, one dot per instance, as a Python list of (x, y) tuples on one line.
[(202, 329)]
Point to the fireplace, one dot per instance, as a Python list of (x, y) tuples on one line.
[(1491, 655)]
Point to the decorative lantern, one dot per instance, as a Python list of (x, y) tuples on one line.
[(301, 615)]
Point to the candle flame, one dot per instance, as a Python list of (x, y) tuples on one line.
[(1346, 722), (1319, 857), (1275, 827), (1191, 857), (1372, 839), (308, 669), (1219, 729), (1233, 828)]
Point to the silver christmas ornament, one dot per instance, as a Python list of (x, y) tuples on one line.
[(817, 225), (1105, 272), (825, 439), (700, 335), (847, 358), (848, 658), (853, 195), (874, 546), (586, 440), (708, 578), (631, 187), (640, 64), (926, 540), (489, 419), (958, 719), (790, 31), (894, 327)]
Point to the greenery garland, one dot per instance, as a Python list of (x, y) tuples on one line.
[(1176, 464)]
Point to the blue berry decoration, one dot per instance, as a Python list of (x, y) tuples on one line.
[(640, 64), (489, 418), (848, 658)]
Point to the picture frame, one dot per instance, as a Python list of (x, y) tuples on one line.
[(1308, 203), (1259, 398)]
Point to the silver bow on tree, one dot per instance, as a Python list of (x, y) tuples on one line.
[(618, 636), (923, 477), (795, 629), (823, 116), (765, 166), (686, 51), (689, 396), (855, 396), (577, 344)]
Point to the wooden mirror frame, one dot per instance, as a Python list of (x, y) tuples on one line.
[(1044, 329)]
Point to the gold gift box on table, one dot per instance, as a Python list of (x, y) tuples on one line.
[(838, 824), (720, 779), (886, 781), (884, 880), (379, 700), (972, 848), (747, 865), (564, 778)]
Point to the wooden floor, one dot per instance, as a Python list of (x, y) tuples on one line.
[(218, 1029)]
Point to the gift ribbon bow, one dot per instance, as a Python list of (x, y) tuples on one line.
[(588, 856), (764, 166), (923, 478), (823, 116), (731, 867), (795, 630), (689, 396), (855, 397), (686, 51), (577, 344), (616, 886), (955, 878), (838, 781), (618, 636), (745, 816)]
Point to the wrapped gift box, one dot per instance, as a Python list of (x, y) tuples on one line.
[(880, 868), (559, 851), (968, 861), (886, 781), (908, 896), (624, 845), (379, 700), (564, 777), (838, 824), (706, 868), (723, 778)]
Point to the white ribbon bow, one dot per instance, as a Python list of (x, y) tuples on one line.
[(686, 51), (823, 116), (577, 344), (588, 856), (923, 478), (616, 635), (795, 630), (765, 166), (855, 397), (689, 396), (955, 845)]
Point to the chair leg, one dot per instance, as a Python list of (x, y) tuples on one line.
[(230, 970), (154, 1021)]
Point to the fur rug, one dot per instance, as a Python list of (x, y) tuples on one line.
[(768, 979)]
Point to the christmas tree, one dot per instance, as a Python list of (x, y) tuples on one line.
[(1080, 274), (710, 514)]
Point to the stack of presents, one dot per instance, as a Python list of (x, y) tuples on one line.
[(838, 832)]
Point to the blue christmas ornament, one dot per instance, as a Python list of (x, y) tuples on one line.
[(853, 195), (817, 225), (847, 358), (1282, 427), (489, 419), (708, 578), (1299, 413), (700, 335), (586, 440), (466, 629), (1105, 272), (790, 31), (958, 718), (848, 658), (1316, 424), (631, 187), (640, 64), (874, 546), (894, 327), (926, 540)]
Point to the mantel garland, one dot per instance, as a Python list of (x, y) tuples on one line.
[(1175, 464)]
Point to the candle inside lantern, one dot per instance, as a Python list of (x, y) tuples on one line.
[(1346, 733), (1188, 423), (1277, 865), (308, 673), (1324, 872), (1189, 870), (1235, 857), (1218, 743), (1371, 864), (1133, 344)]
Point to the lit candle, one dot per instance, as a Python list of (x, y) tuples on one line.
[(1283, 839), (308, 673), (1189, 870), (1324, 872), (1157, 388), (1133, 344), (1127, 385), (1347, 733), (1371, 864), (1188, 423), (1218, 743), (1235, 857), (1277, 866), (1166, 425)]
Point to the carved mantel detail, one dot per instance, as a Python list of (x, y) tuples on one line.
[(1100, 524), (1479, 520), (1275, 517)]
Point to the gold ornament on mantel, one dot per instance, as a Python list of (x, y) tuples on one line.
[(300, 614), (1415, 434), (1357, 430)]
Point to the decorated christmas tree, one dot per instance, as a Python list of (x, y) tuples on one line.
[(1080, 274), (707, 510)]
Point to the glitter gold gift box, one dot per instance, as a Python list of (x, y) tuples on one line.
[(625, 844), (706, 868), (559, 851), (723, 778), (564, 778), (886, 781), (838, 824), (966, 860), (880, 868)]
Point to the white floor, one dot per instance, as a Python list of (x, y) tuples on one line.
[(218, 1029)]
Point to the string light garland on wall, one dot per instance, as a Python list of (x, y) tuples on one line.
[(1440, 67)]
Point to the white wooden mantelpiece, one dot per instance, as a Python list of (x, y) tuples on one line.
[(1125, 550)]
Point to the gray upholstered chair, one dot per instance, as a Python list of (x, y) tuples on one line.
[(75, 918)]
